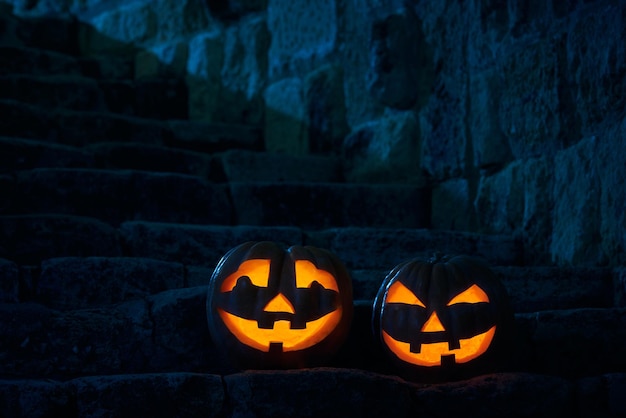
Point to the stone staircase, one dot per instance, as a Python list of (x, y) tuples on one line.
[(115, 210)]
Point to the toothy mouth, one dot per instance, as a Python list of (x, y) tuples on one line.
[(280, 331), (431, 354)]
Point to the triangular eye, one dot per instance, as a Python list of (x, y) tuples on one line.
[(473, 294), (399, 293)]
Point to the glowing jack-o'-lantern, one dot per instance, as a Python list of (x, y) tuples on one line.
[(273, 308), (442, 318)]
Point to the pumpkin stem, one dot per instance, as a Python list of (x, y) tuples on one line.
[(436, 257)]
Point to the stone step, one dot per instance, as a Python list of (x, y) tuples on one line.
[(24, 154), (230, 166), (379, 248), (78, 128), (323, 205), (148, 98), (29, 239), (89, 282), (120, 195), (21, 60), (33, 238), (53, 92), (315, 392), (54, 33), (168, 331), (34, 61)]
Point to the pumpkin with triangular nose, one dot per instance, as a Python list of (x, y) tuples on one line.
[(443, 319), (268, 307)]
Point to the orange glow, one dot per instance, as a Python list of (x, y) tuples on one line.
[(430, 354), (433, 324), (258, 270), (472, 295), (399, 293), (248, 332), (279, 304), (307, 273)]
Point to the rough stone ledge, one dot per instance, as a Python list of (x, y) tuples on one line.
[(323, 205), (28, 239), (120, 195), (81, 128), (168, 332), (384, 248), (311, 393), (22, 60)]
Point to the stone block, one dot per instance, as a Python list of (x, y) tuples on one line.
[(117, 196), (19, 60), (601, 395), (152, 394), (285, 128), (9, 282), (366, 282), (180, 332), (21, 120), (112, 155), (28, 239), (246, 166), (198, 275), (491, 147), (311, 205), (82, 128), (235, 9), (40, 342), (164, 59), (23, 154), (176, 19), (576, 213), (132, 23), (323, 91), (387, 150), (160, 98), (595, 73), (204, 64), (545, 288), (529, 104), (443, 133), (385, 248), (452, 208), (512, 394), (200, 245), (213, 137), (499, 202), (305, 393), (539, 200), (75, 283), (65, 92), (619, 286), (24, 398), (301, 32), (576, 343), (244, 72), (399, 70)]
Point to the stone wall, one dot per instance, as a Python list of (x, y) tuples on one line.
[(513, 111)]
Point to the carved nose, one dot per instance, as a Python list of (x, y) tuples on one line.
[(433, 324), (279, 303)]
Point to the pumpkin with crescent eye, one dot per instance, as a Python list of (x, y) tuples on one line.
[(268, 307), (443, 319)]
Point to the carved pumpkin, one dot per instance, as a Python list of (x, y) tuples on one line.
[(443, 318), (273, 308)]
